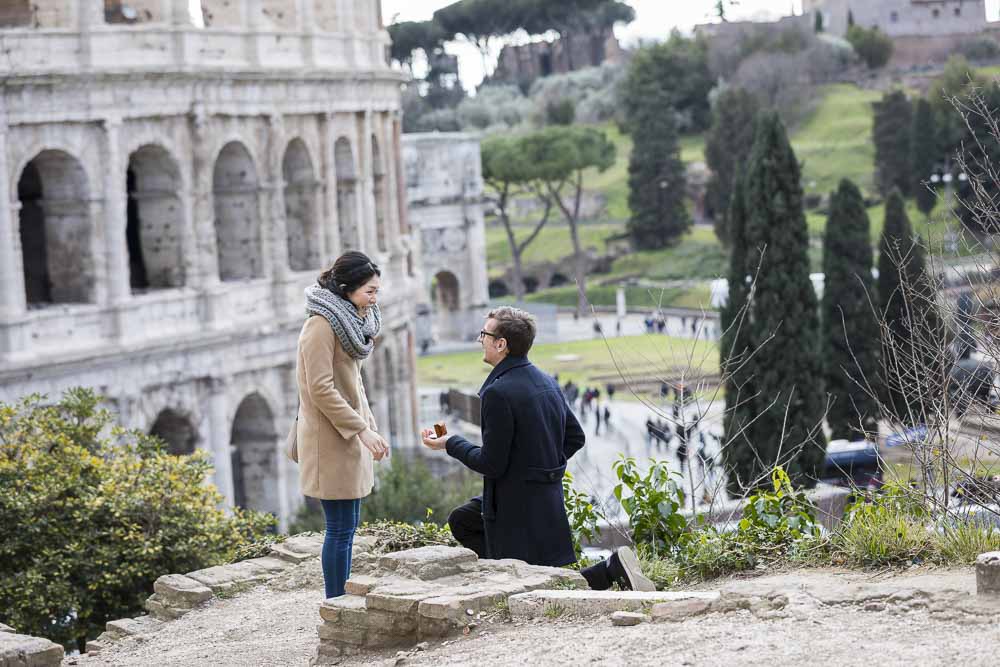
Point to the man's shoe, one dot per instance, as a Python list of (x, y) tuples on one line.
[(624, 569)]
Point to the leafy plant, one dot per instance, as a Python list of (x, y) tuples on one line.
[(707, 553), (92, 514), (887, 529), (779, 515), (961, 544), (652, 503), (581, 513), (393, 536)]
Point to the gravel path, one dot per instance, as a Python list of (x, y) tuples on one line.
[(275, 624)]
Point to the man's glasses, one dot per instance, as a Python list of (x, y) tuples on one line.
[(483, 333)]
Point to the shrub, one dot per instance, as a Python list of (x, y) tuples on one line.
[(889, 529), (560, 112), (581, 513), (708, 553), (594, 91), (962, 543), (393, 536), (494, 105), (664, 572), (982, 48), (873, 46), (652, 505), (92, 514)]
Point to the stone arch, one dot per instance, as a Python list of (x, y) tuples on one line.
[(176, 430), (56, 229), (446, 292), (498, 288), (235, 191), (155, 219), (300, 207), (381, 196), (347, 201), (254, 445)]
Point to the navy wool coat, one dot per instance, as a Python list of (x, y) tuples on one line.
[(528, 434)]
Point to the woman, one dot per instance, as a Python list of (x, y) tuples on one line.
[(336, 433)]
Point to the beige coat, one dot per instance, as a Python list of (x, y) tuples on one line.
[(333, 410)]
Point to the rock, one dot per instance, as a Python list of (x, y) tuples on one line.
[(5, 628), (27, 651), (988, 573), (427, 562), (360, 584), (94, 646), (299, 548), (223, 578), (679, 610), (179, 590), (402, 597), (334, 609), (458, 605), (422, 646), (127, 627), (627, 618), (590, 603)]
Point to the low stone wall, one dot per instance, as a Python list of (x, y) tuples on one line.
[(27, 651), (426, 593)]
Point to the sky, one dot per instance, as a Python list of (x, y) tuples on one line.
[(654, 20)]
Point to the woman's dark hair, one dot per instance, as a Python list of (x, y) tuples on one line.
[(351, 270)]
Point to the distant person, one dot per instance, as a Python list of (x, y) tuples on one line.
[(607, 417), (610, 388), (597, 329), (597, 417), (618, 327)]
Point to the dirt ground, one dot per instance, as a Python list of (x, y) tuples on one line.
[(829, 623)]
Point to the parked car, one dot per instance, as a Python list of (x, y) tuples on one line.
[(852, 464)]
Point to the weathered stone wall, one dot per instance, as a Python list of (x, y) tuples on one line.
[(522, 64), (445, 193), (159, 220), (903, 17)]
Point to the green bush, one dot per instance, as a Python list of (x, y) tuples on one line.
[(92, 514), (653, 504), (873, 46), (707, 553), (582, 515), (560, 112), (887, 529), (962, 543)]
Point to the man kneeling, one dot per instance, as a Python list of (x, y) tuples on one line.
[(528, 434)]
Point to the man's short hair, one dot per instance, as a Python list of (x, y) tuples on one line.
[(517, 326)]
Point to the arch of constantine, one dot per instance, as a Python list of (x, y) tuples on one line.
[(173, 174)]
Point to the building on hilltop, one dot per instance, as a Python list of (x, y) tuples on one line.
[(903, 18), (172, 182), (523, 64)]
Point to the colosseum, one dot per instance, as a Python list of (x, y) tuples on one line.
[(176, 173)]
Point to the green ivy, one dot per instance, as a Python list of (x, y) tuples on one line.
[(652, 503)]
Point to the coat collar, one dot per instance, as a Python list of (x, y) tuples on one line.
[(507, 364)]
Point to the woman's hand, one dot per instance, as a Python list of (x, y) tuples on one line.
[(375, 444)]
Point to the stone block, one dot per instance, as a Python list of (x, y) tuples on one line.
[(337, 632), (401, 598), (365, 543), (360, 584), (332, 609), (222, 578), (587, 603), (455, 607), (988, 573), (27, 651), (5, 628), (627, 618), (94, 646), (269, 564), (164, 612), (679, 610), (431, 628), (126, 627), (299, 548), (428, 562), (181, 591)]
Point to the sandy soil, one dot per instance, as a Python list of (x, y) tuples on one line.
[(275, 625)]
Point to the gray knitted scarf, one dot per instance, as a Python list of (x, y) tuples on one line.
[(356, 335)]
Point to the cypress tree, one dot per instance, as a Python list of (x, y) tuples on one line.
[(786, 366), (851, 341), (912, 331), (923, 155), (735, 350), (978, 211), (891, 133), (727, 146), (656, 178)]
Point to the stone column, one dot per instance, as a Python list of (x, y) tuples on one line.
[(182, 20), (91, 16), (252, 13), (397, 249), (366, 187), (221, 444), (12, 296), (275, 226), (116, 272), (331, 221), (305, 9)]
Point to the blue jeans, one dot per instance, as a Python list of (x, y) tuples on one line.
[(342, 518)]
